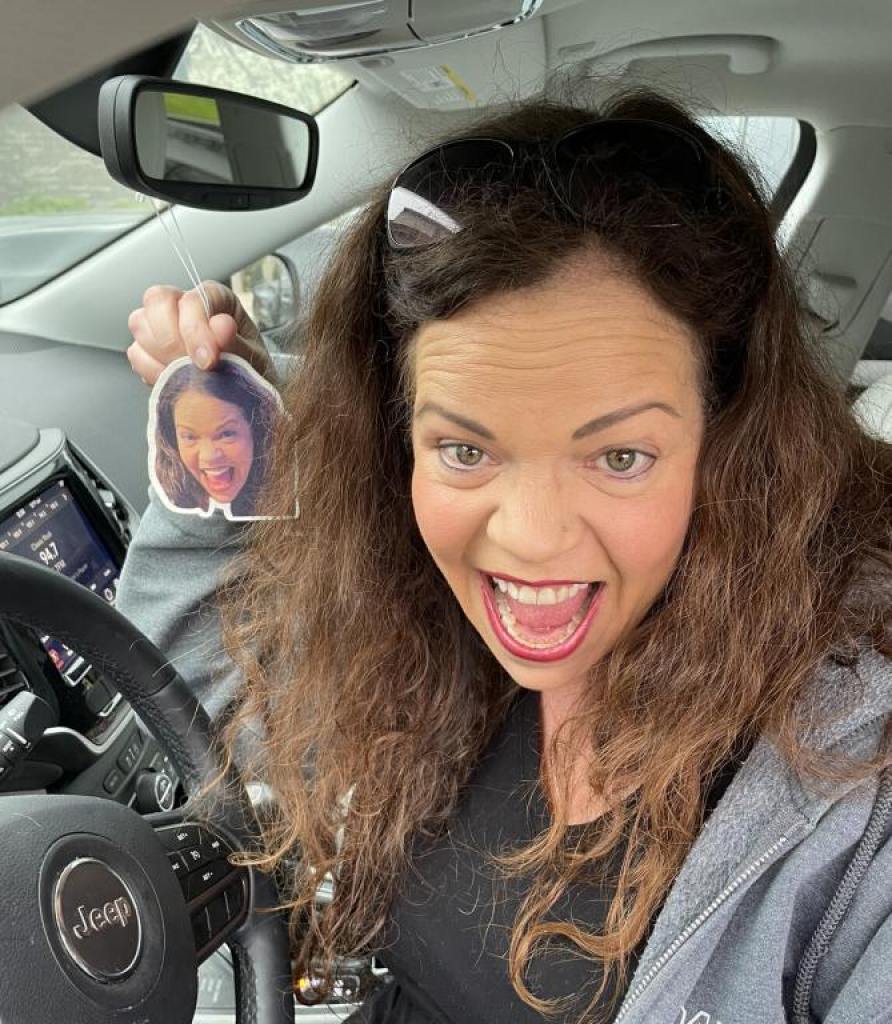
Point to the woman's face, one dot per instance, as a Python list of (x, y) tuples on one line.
[(556, 431), (215, 443)]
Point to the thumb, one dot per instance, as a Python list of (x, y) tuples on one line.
[(224, 329), (226, 332), (223, 300)]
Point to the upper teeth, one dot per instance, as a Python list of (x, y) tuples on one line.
[(538, 595)]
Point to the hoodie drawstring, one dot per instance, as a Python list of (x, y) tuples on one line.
[(880, 816)]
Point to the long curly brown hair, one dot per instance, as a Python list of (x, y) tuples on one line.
[(376, 695)]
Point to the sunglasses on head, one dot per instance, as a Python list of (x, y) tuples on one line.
[(425, 197)]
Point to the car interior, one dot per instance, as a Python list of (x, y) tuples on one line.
[(802, 89)]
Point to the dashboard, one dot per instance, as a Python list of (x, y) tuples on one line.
[(58, 510)]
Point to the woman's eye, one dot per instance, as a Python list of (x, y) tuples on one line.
[(462, 456), (628, 462)]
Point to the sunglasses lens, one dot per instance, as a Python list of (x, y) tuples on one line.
[(625, 152), (422, 197)]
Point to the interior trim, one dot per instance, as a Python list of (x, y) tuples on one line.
[(795, 175), (94, 748)]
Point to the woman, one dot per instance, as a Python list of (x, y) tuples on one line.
[(209, 436), (587, 536)]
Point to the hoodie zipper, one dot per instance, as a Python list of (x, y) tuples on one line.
[(729, 889), (695, 924)]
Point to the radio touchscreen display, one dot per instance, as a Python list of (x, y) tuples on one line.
[(51, 529)]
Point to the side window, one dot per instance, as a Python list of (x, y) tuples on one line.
[(769, 144)]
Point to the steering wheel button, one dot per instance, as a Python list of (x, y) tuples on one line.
[(201, 880), (235, 900), (194, 858), (218, 914), (201, 929), (126, 760), (177, 865), (212, 849), (180, 837)]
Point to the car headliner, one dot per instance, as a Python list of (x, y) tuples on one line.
[(823, 62), (831, 63)]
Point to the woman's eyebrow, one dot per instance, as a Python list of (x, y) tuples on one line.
[(618, 415), (591, 427), (225, 423), (461, 421)]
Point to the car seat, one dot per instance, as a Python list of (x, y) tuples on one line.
[(873, 407)]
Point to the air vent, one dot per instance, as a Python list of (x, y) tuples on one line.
[(107, 496), (110, 501), (12, 679)]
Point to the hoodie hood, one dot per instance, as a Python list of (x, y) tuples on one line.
[(766, 809)]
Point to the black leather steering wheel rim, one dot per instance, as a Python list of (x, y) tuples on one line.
[(43, 600)]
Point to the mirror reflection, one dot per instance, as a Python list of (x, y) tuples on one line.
[(207, 140)]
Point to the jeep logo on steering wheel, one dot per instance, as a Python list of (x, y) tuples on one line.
[(115, 912), (98, 919)]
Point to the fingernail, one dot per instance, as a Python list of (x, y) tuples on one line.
[(202, 357)]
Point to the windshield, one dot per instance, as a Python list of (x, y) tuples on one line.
[(57, 202)]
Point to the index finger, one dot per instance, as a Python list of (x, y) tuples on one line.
[(200, 341)]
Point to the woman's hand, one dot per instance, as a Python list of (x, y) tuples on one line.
[(172, 323)]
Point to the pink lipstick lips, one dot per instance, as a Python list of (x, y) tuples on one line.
[(513, 622)]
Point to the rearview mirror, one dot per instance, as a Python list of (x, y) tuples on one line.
[(204, 147)]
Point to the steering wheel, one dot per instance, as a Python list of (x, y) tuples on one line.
[(97, 925)]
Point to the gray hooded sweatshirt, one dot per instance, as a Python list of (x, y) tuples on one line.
[(782, 910)]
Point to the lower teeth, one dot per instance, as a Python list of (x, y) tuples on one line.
[(510, 623)]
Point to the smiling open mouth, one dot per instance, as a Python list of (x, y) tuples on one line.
[(542, 623), (219, 477)]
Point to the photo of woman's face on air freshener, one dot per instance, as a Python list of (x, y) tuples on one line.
[(210, 433)]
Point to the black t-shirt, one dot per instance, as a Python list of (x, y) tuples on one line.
[(448, 932)]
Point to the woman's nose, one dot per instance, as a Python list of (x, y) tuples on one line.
[(535, 522), (208, 451)]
